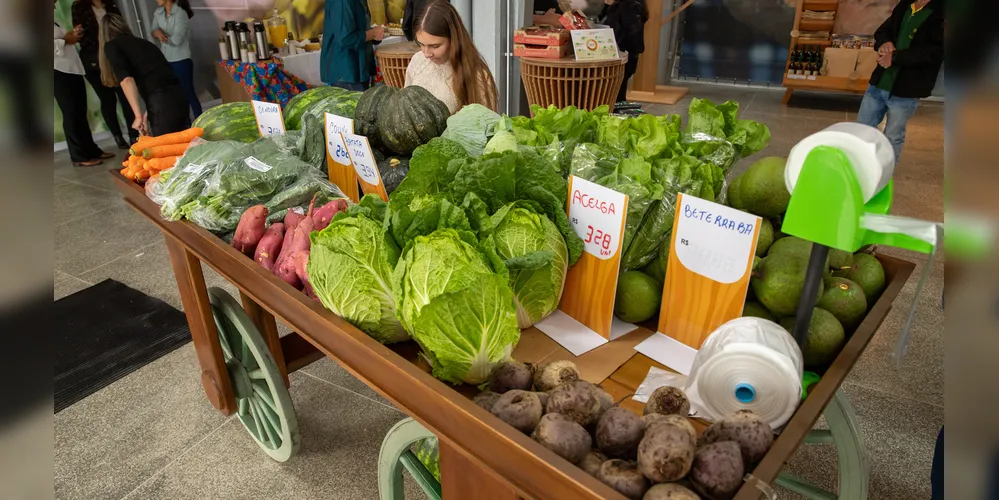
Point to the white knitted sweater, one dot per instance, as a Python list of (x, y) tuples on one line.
[(436, 78)]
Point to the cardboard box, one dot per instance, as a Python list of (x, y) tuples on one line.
[(850, 63), (542, 51), (541, 35)]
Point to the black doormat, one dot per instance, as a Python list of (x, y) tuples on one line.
[(107, 331)]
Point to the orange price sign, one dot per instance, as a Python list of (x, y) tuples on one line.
[(707, 275), (597, 214), (364, 165), (339, 166)]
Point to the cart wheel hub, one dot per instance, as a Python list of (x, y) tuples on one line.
[(241, 384)]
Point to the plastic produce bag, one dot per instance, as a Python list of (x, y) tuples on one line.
[(300, 194), (711, 149), (187, 180), (747, 363)]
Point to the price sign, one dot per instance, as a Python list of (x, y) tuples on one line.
[(707, 275), (338, 164), (335, 126), (365, 165), (270, 121), (597, 214)]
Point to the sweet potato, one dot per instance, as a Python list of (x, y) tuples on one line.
[(325, 213), (291, 219), (284, 268), (299, 260), (250, 229), (269, 246)]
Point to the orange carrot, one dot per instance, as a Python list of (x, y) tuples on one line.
[(160, 164), (165, 150), (124, 171), (141, 175), (167, 139)]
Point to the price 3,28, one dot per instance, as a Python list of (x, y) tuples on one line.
[(599, 238)]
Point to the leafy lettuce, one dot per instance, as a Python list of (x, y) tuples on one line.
[(471, 127), (456, 304), (350, 268)]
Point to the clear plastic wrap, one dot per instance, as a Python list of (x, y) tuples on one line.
[(707, 148), (300, 194), (187, 180), (747, 363)]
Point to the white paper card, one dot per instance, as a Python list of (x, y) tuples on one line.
[(362, 158), (656, 378), (269, 118), (596, 213), (256, 164), (335, 126), (668, 351), (713, 240), (576, 337)]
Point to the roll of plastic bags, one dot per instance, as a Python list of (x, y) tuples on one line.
[(747, 364)]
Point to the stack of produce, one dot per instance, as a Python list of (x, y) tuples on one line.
[(215, 182), (283, 247), (653, 457), (852, 284), (151, 155)]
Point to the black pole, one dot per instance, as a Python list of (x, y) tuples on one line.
[(813, 276)]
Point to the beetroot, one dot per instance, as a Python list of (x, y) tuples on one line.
[(250, 229)]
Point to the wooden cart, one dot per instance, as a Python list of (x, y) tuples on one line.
[(481, 457)]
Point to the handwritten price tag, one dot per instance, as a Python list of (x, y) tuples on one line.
[(709, 266), (596, 213), (364, 164), (335, 126), (270, 121)]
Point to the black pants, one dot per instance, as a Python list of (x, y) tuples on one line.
[(71, 96), (110, 97), (168, 111), (629, 70)]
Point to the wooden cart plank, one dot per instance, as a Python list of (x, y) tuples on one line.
[(531, 469), (463, 478), (268, 329), (198, 309)]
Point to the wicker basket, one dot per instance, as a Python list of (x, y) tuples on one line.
[(565, 82), (393, 60)]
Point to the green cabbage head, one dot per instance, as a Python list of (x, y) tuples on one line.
[(350, 268), (455, 305), (535, 253)]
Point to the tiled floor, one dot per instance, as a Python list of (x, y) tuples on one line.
[(154, 435)]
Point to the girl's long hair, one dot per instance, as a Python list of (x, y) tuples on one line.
[(186, 5), (472, 82), (111, 26)]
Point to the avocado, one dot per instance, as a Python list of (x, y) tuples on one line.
[(762, 189), (867, 272), (825, 339), (839, 259), (793, 246), (779, 281), (733, 198), (845, 300), (754, 309), (765, 239)]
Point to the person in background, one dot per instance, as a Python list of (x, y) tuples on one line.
[(413, 9), (627, 18), (140, 69), (87, 14), (910, 47), (170, 28), (347, 58), (448, 64), (547, 12), (71, 96)]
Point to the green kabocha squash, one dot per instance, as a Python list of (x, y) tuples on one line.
[(393, 170), (410, 118), (366, 112)]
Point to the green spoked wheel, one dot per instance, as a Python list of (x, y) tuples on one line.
[(263, 401)]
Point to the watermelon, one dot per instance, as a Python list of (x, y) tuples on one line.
[(232, 121), (303, 101)]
